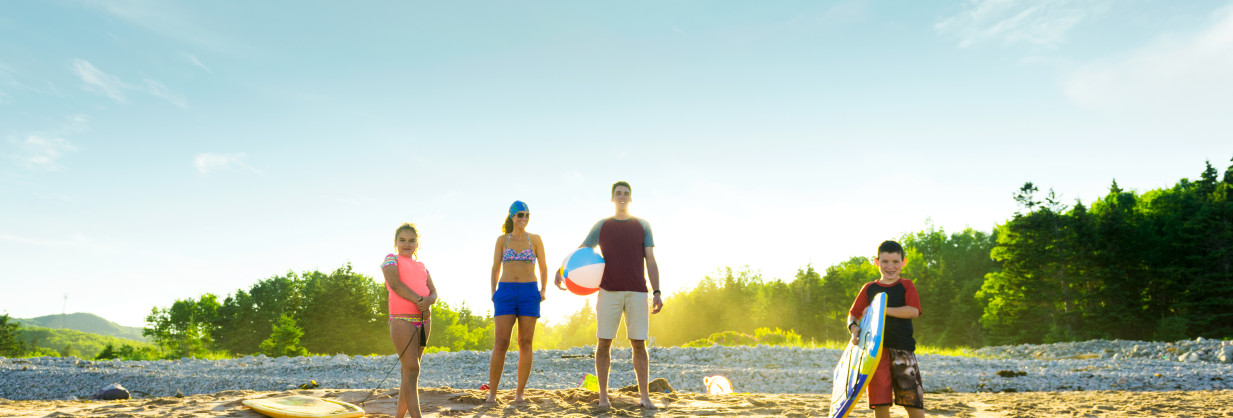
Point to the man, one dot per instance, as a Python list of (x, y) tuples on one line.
[(627, 246)]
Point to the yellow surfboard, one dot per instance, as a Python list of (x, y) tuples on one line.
[(858, 362), (297, 406)]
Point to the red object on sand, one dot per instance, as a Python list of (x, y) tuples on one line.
[(484, 387)]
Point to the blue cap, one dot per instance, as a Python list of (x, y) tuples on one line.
[(518, 206)]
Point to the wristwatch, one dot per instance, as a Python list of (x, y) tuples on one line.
[(656, 292)]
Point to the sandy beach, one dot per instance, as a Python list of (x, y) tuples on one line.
[(448, 402)]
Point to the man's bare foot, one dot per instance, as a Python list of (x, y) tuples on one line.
[(492, 399), (647, 404), (603, 402), (519, 399)]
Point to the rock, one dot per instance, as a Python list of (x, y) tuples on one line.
[(660, 385), (655, 386), (112, 392), (1011, 373), (1226, 354)]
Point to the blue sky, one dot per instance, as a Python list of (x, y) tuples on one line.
[(152, 151)]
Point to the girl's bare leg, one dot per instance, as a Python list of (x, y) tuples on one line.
[(406, 337)]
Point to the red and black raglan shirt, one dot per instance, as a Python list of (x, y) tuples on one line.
[(898, 331)]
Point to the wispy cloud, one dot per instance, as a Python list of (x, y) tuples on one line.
[(207, 163), (42, 151), (11, 81), (170, 19), (99, 82), (192, 59), (158, 89), (112, 86), (1175, 74), (1034, 22)]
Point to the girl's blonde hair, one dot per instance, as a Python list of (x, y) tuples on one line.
[(406, 226)]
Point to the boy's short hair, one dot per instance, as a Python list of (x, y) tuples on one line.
[(889, 246), (618, 184)]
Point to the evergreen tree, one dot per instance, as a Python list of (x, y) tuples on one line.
[(284, 340), (11, 344), (1207, 180), (948, 272)]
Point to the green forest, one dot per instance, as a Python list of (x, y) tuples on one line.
[(1130, 265), (26, 340)]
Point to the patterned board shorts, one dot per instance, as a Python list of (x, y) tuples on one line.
[(897, 379)]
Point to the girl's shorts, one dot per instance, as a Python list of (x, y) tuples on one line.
[(516, 298)]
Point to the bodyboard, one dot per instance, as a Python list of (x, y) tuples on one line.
[(858, 362), (303, 407)]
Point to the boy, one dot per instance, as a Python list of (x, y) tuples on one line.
[(898, 376)]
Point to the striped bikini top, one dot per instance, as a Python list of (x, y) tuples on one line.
[(527, 255)]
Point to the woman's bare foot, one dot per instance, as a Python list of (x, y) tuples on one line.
[(647, 404), (492, 398)]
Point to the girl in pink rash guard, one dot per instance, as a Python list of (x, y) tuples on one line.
[(411, 293)]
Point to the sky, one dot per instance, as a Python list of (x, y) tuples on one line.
[(160, 150)]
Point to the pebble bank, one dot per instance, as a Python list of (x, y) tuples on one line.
[(1092, 365)]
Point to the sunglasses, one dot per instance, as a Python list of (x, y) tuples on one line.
[(521, 215)]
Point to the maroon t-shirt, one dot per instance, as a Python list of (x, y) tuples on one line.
[(623, 244)]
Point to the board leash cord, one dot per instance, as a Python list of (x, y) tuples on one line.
[(397, 363)]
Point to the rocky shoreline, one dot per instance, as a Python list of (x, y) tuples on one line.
[(1081, 366)]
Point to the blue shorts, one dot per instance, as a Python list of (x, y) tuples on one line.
[(516, 298)]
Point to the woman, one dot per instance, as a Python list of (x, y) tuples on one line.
[(515, 295)]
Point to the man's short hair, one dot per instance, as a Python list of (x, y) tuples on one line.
[(620, 183), (890, 247)]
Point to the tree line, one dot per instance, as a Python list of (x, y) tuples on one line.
[(1129, 265), (348, 310), (1150, 266)]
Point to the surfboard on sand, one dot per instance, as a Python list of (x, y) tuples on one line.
[(858, 362), (303, 407)]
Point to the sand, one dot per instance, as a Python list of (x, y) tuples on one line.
[(448, 402)]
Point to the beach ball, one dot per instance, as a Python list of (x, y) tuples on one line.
[(583, 270)]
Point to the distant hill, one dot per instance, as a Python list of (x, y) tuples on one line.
[(71, 342), (86, 322)]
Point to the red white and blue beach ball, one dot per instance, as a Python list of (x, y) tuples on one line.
[(583, 270)]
